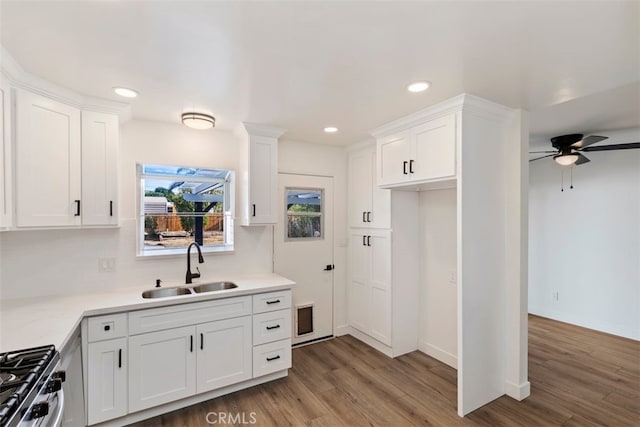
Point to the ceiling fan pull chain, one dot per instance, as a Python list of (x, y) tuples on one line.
[(571, 178)]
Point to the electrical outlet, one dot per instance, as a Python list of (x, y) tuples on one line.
[(556, 296), (106, 265)]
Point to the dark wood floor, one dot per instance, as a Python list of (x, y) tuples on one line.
[(579, 377)]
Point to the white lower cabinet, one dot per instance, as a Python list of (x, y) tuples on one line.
[(161, 367), (178, 351), (107, 380), (224, 353)]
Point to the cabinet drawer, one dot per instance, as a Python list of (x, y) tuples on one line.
[(272, 357), (107, 327), (271, 301), (271, 326), (156, 319)]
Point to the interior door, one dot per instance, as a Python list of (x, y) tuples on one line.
[(303, 251)]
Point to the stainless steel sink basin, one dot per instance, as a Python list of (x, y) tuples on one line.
[(165, 292), (214, 286)]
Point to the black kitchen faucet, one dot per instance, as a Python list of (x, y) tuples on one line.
[(191, 275)]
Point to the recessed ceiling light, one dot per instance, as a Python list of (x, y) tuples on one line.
[(331, 129), (126, 92), (198, 120), (418, 86)]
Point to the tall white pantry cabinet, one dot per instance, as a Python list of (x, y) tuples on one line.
[(477, 149)]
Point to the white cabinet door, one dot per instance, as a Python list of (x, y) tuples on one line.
[(359, 287), (435, 149), (99, 168), (47, 162), (5, 155), (162, 367), (380, 283), (394, 153), (224, 353), (360, 188), (107, 380), (263, 175)]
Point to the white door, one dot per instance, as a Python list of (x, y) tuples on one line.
[(162, 367), (224, 353), (303, 251), (360, 188), (107, 380)]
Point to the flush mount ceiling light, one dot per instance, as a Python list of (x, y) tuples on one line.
[(125, 91), (331, 129), (198, 120), (418, 86), (566, 159)]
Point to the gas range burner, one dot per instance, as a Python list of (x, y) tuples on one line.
[(22, 374)]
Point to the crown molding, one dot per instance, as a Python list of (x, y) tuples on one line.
[(360, 145), (21, 79), (255, 129), (463, 102)]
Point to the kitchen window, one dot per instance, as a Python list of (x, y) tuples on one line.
[(180, 205), (304, 212)]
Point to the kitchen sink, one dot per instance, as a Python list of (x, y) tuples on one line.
[(165, 292), (214, 286), (180, 290)]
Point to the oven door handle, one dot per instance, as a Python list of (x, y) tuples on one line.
[(60, 409)]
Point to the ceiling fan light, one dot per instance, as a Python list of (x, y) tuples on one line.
[(566, 159), (198, 120)]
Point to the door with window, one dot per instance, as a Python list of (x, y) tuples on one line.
[(303, 251)]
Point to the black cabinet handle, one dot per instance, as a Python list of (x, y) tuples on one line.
[(254, 209), (269, 359), (368, 216), (77, 202), (272, 327), (368, 240), (110, 207), (364, 240), (191, 349), (120, 358), (201, 341), (404, 167), (411, 166), (273, 302), (364, 217), (329, 267), (107, 327)]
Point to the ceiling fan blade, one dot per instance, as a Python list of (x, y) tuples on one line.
[(543, 152), (591, 139), (629, 146), (581, 159), (543, 157)]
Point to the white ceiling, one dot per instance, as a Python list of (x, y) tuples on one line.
[(305, 65)]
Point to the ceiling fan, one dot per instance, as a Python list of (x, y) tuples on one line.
[(569, 148)]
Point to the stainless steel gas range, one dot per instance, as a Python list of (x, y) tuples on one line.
[(31, 388)]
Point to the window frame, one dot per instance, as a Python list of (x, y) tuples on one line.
[(320, 214), (228, 210)]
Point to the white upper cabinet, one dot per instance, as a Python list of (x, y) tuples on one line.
[(6, 207), (258, 175), (66, 164), (99, 168), (423, 153), (369, 206), (48, 157)]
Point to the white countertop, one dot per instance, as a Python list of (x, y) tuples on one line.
[(31, 322)]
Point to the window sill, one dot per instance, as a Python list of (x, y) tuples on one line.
[(181, 252)]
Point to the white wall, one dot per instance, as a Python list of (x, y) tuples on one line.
[(325, 160), (47, 262), (438, 262), (585, 243)]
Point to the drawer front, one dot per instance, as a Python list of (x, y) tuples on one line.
[(157, 319), (107, 327), (272, 357), (271, 326), (271, 301)]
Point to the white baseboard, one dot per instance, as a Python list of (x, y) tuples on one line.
[(439, 354), (518, 391), (341, 330), (371, 342)]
